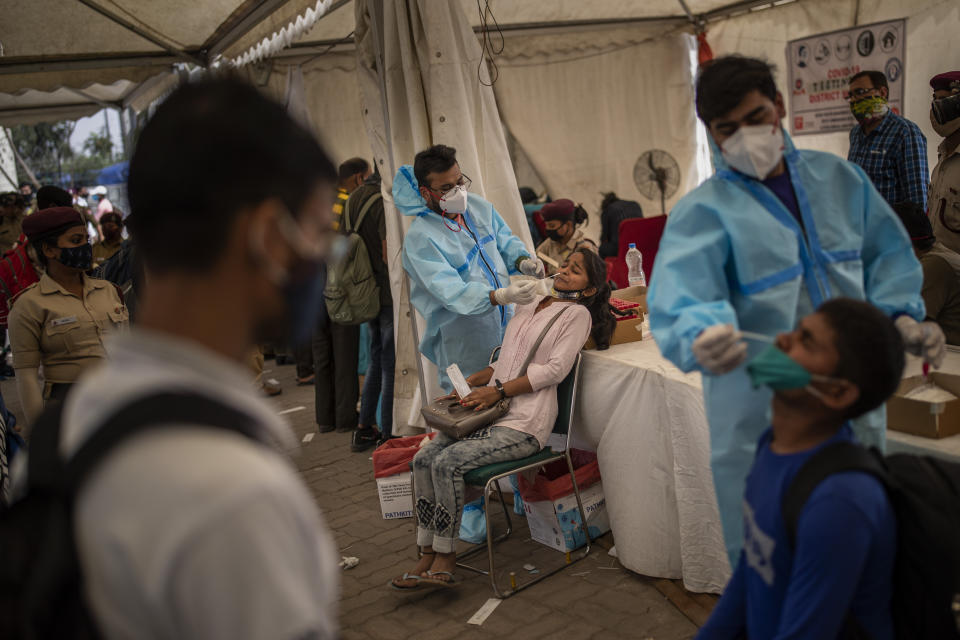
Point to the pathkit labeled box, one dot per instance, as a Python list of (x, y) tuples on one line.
[(931, 410), (396, 497), (628, 329), (557, 524)]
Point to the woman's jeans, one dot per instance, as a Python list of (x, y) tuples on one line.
[(438, 471), (378, 382)]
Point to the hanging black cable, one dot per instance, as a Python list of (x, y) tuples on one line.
[(488, 49)]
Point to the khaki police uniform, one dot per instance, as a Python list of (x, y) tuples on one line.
[(559, 251), (943, 197), (51, 327), (103, 251)]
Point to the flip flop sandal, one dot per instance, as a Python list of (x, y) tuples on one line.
[(452, 582), (406, 576)]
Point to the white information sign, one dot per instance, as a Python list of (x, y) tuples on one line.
[(820, 68)]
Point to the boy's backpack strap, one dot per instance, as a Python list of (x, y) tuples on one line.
[(835, 458), (46, 470), (41, 524), (152, 411), (43, 464)]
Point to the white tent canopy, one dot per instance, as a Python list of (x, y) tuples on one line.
[(87, 45)]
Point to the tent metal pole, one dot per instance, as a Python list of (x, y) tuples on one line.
[(22, 162), (598, 22), (163, 62), (87, 96), (13, 183), (744, 6), (123, 133), (692, 18), (143, 33), (376, 15)]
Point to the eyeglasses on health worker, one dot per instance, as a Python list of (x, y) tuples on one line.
[(774, 233), (459, 254)]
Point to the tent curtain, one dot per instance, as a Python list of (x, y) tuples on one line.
[(931, 49), (434, 91), (583, 121)]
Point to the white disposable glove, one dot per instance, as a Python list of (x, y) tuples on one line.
[(544, 286), (532, 267), (924, 339), (521, 292), (719, 349)]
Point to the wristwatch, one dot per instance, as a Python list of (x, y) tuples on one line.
[(499, 386)]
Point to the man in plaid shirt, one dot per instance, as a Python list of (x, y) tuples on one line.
[(890, 149)]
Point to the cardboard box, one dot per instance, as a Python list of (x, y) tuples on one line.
[(923, 418), (627, 330), (557, 523), (396, 497)]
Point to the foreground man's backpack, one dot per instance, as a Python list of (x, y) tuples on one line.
[(40, 578), (925, 495)]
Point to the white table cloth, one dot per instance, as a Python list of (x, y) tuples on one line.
[(646, 420)]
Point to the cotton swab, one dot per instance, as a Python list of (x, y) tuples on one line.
[(750, 335)]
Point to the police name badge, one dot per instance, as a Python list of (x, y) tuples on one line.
[(59, 322)]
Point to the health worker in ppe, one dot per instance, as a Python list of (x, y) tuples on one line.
[(459, 254), (774, 233)]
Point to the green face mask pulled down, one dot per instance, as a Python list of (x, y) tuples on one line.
[(775, 369)]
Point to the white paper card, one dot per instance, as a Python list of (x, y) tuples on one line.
[(459, 382)]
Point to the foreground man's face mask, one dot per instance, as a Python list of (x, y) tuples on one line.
[(302, 285), (754, 150), (775, 369)]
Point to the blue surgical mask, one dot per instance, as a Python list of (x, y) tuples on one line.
[(302, 287), (775, 369), (76, 257), (303, 296)]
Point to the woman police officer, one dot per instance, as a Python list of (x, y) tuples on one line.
[(60, 322), (563, 220)]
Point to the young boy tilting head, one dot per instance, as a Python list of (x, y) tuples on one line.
[(842, 361)]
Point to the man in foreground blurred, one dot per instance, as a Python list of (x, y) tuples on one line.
[(187, 531)]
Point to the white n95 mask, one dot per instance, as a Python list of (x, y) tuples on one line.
[(454, 201), (754, 150)]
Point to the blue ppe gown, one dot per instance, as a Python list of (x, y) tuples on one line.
[(732, 253), (451, 275)]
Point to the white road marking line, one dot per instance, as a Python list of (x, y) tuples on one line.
[(484, 612), (292, 410)]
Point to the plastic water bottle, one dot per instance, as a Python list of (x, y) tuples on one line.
[(634, 260)]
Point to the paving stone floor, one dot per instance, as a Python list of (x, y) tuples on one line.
[(594, 598)]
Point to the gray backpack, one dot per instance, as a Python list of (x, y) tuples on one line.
[(352, 294)]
